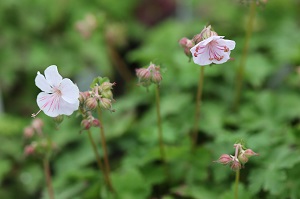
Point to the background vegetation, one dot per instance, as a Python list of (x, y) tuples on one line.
[(113, 38)]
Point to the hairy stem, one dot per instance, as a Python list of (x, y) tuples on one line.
[(48, 177), (236, 187), (241, 68), (160, 134), (98, 158), (198, 108), (104, 148)]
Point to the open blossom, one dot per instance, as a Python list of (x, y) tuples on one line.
[(214, 49), (59, 95)]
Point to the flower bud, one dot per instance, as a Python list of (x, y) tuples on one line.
[(29, 150), (28, 132), (82, 97), (143, 74), (243, 158), (248, 153), (86, 124), (95, 123), (225, 159), (105, 86), (107, 94), (86, 26), (59, 119), (105, 103), (37, 123), (235, 165), (204, 34), (91, 103), (186, 44), (156, 76)]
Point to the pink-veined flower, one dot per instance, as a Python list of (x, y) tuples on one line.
[(214, 49), (59, 95)]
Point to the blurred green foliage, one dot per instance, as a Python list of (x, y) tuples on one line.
[(130, 34)]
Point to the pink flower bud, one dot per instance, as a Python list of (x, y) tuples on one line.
[(91, 103), (204, 34), (37, 124), (28, 132), (149, 75), (186, 44), (29, 149), (225, 159), (155, 73), (249, 153), (143, 74), (86, 124), (235, 165), (95, 123), (156, 77), (82, 97)]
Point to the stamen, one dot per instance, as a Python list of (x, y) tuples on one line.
[(33, 115)]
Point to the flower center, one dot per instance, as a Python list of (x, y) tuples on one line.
[(57, 92), (214, 51)]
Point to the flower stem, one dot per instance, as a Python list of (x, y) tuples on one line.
[(160, 134), (236, 187), (104, 148), (48, 177), (241, 68), (198, 108), (98, 158)]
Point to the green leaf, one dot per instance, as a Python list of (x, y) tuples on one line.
[(5, 166), (129, 183)]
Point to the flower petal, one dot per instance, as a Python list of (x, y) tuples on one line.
[(70, 92), (42, 83), (209, 39), (49, 103), (52, 76), (53, 105), (202, 59), (229, 43), (68, 108)]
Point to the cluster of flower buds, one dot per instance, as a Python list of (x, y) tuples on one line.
[(240, 158), (35, 127), (86, 26), (39, 145), (40, 148), (149, 75), (89, 122), (187, 44), (100, 95)]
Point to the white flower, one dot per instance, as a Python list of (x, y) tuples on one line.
[(59, 96), (214, 49)]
